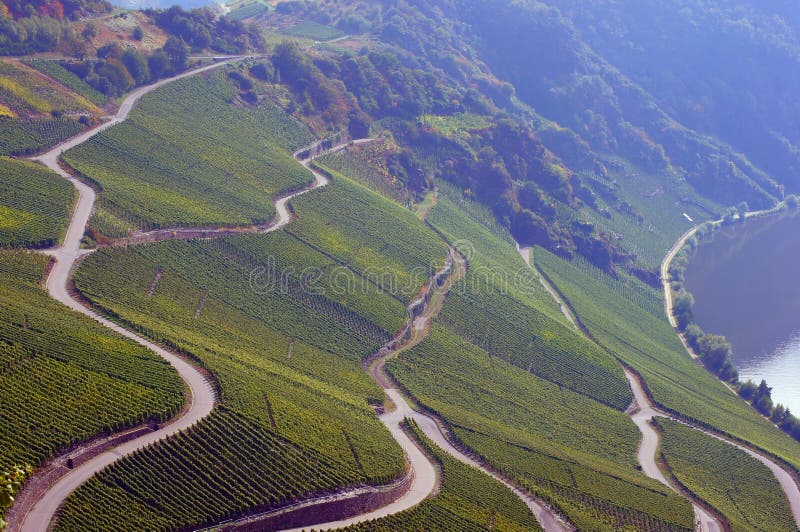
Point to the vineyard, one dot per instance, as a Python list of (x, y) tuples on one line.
[(286, 355), (63, 375), (26, 136), (469, 501), (188, 157), (35, 205), (734, 483), (502, 307), (371, 234), (314, 31), (217, 469), (28, 93), (648, 344), (563, 446), (366, 164), (647, 216), (67, 78)]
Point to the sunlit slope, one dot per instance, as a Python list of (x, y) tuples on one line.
[(469, 501), (64, 377), (743, 489), (35, 205), (648, 344), (269, 317), (192, 154), (539, 413)]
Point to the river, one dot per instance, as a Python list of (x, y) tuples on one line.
[(746, 286)]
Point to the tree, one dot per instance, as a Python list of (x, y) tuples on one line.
[(682, 309), (748, 390), (89, 32), (693, 334), (715, 351), (137, 66), (764, 405), (177, 52), (742, 208), (138, 34), (778, 413), (159, 64), (763, 390)]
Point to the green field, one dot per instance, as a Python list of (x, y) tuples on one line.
[(527, 392), (740, 487), (68, 79), (313, 30), (501, 306), (267, 316), (26, 136), (35, 205), (468, 501), (564, 447), (188, 157), (64, 377), (648, 344), (369, 233)]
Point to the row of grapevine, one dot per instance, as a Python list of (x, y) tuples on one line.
[(67, 78), (367, 164), (35, 205), (369, 233), (648, 344), (220, 468), (743, 489), (537, 433), (469, 500), (501, 306), (286, 361), (63, 375), (26, 136), (217, 165)]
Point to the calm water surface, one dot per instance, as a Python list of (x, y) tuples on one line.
[(746, 285)]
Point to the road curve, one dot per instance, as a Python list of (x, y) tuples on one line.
[(201, 394), (642, 415), (430, 425), (200, 391)]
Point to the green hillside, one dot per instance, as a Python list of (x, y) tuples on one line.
[(221, 163), (266, 315), (648, 344), (64, 377), (738, 485), (35, 205), (468, 500)]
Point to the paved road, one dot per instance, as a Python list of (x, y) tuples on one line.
[(201, 392), (648, 448)]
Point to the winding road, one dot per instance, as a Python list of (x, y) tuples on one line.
[(200, 392), (201, 395)]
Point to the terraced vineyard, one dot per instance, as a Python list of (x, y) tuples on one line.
[(35, 205), (564, 447), (63, 375), (366, 164), (502, 307), (736, 484), (468, 501), (26, 136), (648, 344), (27, 93), (266, 316), (220, 164), (371, 234), (54, 70), (217, 468)]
